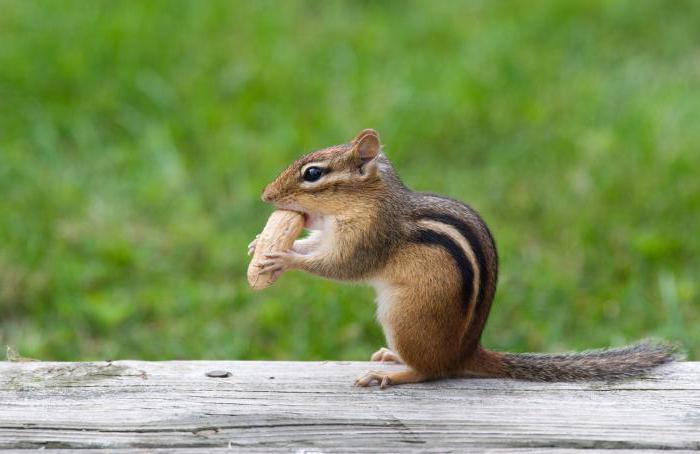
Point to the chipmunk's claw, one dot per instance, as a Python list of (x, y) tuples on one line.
[(251, 246)]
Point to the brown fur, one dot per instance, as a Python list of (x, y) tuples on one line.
[(409, 245)]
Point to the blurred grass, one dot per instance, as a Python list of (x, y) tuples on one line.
[(135, 138)]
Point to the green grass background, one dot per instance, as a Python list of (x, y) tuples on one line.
[(136, 137)]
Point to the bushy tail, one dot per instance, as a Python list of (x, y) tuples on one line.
[(611, 363)]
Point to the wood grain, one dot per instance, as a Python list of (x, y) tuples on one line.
[(312, 407)]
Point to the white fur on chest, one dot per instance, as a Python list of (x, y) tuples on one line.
[(385, 300)]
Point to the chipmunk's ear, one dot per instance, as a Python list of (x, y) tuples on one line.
[(366, 146)]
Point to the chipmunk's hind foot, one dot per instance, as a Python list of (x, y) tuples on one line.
[(386, 379), (386, 355)]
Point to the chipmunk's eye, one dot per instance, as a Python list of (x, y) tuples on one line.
[(313, 174)]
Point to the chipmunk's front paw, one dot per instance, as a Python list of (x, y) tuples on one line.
[(385, 355), (277, 263)]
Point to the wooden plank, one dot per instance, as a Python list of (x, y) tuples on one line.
[(312, 406)]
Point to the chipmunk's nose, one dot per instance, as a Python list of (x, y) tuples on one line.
[(269, 194)]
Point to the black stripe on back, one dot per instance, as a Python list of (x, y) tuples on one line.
[(425, 236), (464, 229)]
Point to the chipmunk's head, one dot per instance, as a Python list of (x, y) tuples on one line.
[(330, 180)]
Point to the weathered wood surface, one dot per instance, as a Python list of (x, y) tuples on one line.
[(312, 407)]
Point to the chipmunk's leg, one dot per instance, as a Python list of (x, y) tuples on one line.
[(308, 244), (300, 256), (386, 379), (385, 355), (276, 263)]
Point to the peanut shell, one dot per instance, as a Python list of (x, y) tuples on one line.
[(282, 228)]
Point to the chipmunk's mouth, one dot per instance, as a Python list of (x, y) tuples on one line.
[(312, 221)]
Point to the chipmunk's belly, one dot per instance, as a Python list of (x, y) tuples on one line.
[(384, 300)]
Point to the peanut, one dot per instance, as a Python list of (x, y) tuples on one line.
[(282, 228)]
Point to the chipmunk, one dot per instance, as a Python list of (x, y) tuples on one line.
[(433, 263)]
